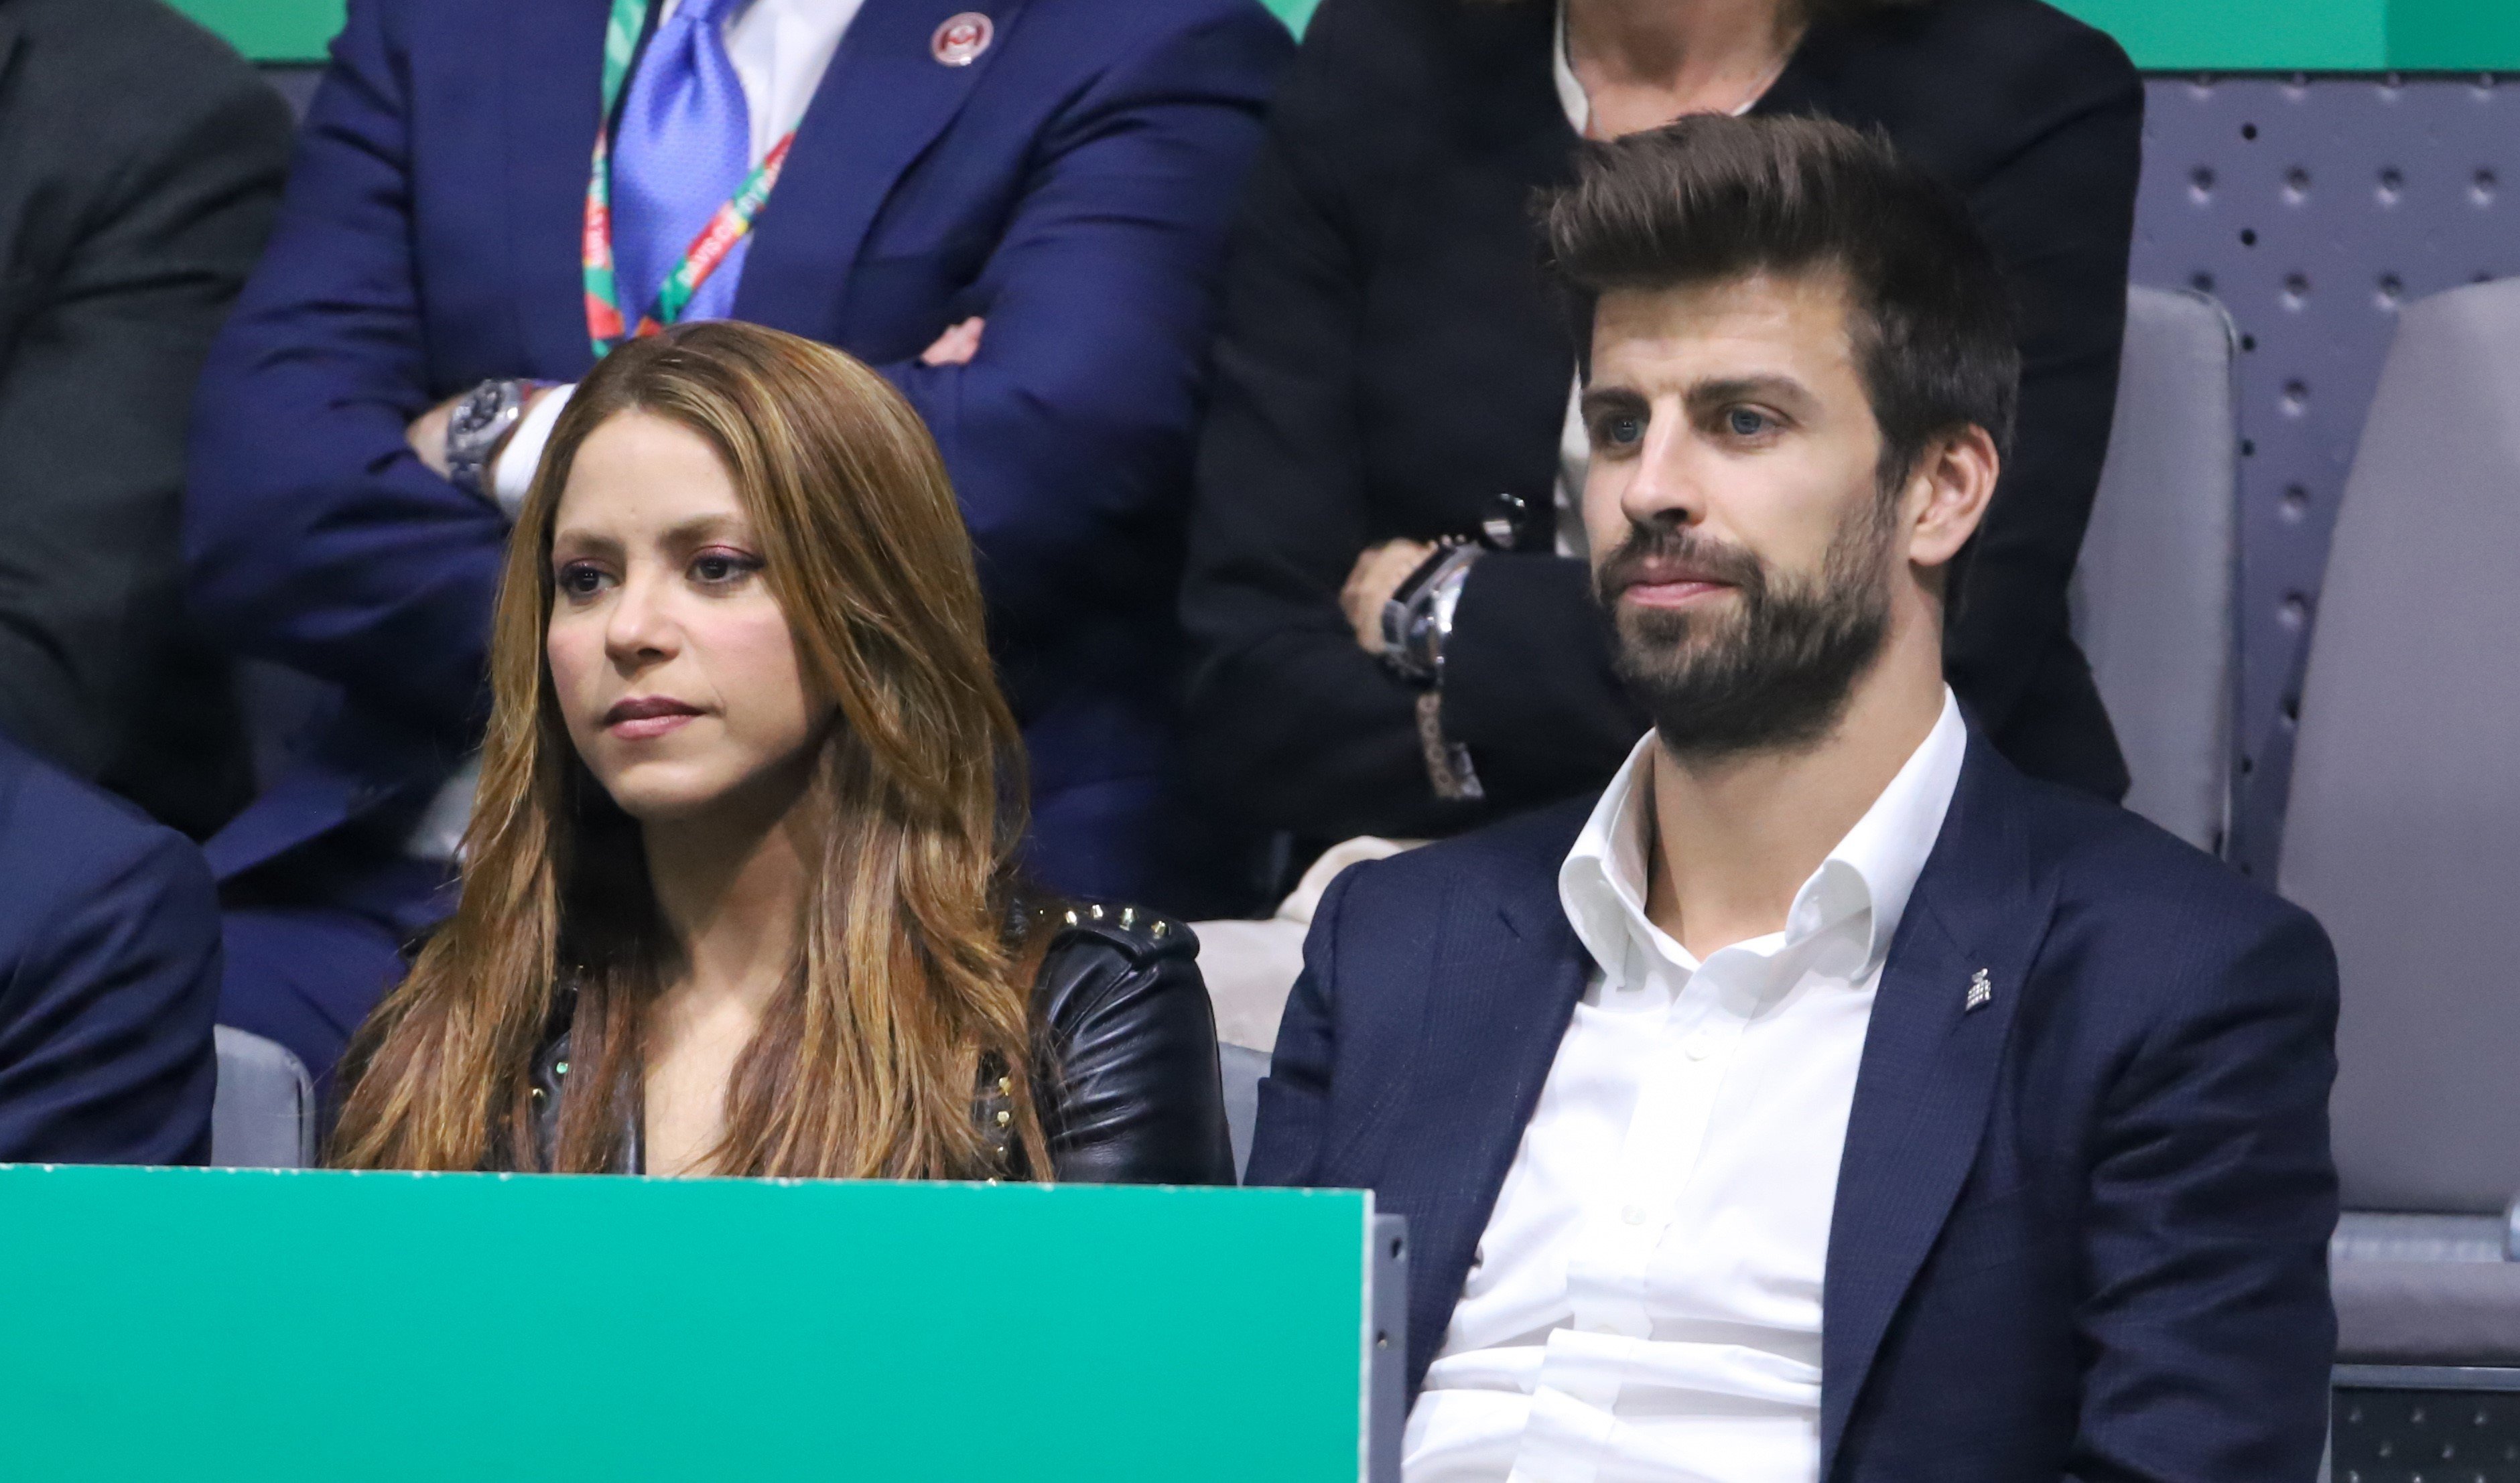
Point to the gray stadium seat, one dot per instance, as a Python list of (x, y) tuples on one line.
[(1243, 1067), (2152, 596), (263, 1116), (2403, 837)]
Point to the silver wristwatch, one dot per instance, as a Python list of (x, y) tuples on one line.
[(1418, 618), (480, 424)]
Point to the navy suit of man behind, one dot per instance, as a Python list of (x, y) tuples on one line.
[(2080, 1228), (109, 976), (1069, 185)]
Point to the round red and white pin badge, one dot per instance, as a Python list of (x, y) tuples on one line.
[(961, 40)]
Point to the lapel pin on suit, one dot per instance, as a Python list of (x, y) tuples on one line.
[(961, 40), (1980, 994)]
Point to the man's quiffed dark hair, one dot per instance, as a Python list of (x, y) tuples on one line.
[(1713, 197)]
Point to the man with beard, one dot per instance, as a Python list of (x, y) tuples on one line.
[(1825, 1100)]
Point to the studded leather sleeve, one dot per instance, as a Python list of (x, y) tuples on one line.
[(1132, 1094)]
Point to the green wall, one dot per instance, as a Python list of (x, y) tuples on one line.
[(2163, 35), (2289, 36), (2461, 35), (273, 30), (2281, 35)]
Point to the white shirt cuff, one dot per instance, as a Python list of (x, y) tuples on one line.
[(513, 472)]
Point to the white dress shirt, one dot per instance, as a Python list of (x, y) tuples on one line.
[(1646, 1304), (780, 49)]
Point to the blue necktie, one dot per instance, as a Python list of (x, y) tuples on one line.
[(683, 147)]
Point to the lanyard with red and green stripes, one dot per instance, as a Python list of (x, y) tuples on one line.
[(606, 324)]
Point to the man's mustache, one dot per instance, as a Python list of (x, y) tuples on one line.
[(1666, 546)]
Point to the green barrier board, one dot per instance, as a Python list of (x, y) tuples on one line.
[(2162, 35), (216, 1324)]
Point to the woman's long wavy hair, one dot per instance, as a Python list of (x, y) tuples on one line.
[(908, 987)]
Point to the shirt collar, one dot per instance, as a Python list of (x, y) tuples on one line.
[(1872, 871), (1570, 91)]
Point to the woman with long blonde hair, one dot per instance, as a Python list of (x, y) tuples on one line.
[(739, 891)]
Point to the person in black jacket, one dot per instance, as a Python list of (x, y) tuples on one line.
[(737, 889), (1394, 374), (109, 976), (142, 163)]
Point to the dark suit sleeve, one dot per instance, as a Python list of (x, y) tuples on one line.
[(95, 389), (1527, 680), (1074, 420), (1138, 1098), (314, 535), (2207, 1325), (1294, 723), (1295, 1094), (2060, 217), (106, 1053)]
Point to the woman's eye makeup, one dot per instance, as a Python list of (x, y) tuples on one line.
[(581, 579), (719, 566), (714, 567)]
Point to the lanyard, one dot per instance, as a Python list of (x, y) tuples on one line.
[(606, 323)]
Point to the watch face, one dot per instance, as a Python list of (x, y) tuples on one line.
[(478, 412)]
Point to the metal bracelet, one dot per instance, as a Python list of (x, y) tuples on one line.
[(1447, 762)]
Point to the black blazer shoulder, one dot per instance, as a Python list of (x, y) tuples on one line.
[(75, 164), (1130, 1090), (1964, 85)]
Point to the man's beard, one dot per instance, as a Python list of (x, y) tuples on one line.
[(1774, 674)]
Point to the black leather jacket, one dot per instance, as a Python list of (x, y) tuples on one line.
[(1131, 1093)]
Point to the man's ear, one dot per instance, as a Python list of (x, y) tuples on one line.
[(1947, 495)]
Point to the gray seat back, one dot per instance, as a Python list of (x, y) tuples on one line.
[(2153, 595), (2404, 831), (1242, 1068), (263, 1116)]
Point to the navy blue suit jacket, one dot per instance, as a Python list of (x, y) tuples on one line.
[(1072, 185), (109, 975), (2080, 1232)]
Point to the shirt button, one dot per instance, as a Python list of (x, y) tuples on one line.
[(1634, 1215), (1699, 1046)]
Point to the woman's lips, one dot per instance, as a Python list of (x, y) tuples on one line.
[(645, 717)]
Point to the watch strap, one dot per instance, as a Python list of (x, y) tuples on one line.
[(1447, 762)]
